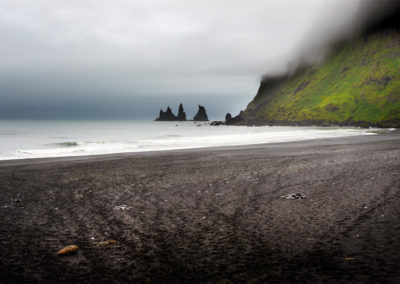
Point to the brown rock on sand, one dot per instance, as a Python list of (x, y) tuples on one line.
[(68, 250)]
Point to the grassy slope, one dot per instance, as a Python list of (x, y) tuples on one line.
[(360, 82)]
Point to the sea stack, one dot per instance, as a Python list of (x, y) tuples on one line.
[(229, 120), (201, 114), (181, 115), (169, 116), (166, 116)]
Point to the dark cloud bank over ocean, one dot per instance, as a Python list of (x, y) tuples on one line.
[(63, 64), (108, 108)]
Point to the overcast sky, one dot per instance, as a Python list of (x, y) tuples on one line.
[(127, 59)]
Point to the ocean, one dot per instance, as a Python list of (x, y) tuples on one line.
[(39, 139)]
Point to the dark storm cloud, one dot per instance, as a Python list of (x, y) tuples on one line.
[(93, 58)]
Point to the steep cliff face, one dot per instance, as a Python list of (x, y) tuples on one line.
[(359, 84)]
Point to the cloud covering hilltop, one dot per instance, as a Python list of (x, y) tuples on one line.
[(59, 58)]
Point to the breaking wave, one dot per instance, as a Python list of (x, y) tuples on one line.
[(158, 137), (67, 144)]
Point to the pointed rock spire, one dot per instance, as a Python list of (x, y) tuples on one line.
[(201, 114), (181, 115)]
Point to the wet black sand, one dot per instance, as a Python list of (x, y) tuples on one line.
[(210, 215)]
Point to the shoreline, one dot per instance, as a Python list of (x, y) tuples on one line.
[(52, 140), (207, 215), (26, 161)]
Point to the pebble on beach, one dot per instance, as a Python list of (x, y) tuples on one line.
[(107, 243), (68, 250), (294, 196)]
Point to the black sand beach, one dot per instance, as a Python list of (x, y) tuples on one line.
[(207, 215)]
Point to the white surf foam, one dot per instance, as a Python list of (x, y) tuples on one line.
[(140, 137)]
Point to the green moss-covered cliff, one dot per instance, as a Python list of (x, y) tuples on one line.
[(359, 84)]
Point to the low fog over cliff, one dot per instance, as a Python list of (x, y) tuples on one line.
[(349, 77), (340, 22)]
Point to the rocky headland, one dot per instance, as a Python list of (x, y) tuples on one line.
[(357, 85)]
